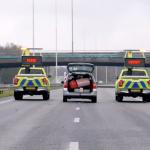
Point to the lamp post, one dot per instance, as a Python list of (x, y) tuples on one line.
[(56, 41), (33, 23), (72, 18)]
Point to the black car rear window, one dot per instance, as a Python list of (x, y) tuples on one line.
[(80, 68)]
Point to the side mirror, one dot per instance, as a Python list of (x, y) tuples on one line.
[(49, 76), (117, 77), (62, 82)]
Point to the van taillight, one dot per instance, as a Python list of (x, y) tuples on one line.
[(65, 85), (148, 82), (15, 81), (120, 83), (45, 81), (94, 85)]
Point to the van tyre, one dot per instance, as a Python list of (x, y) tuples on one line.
[(46, 96), (119, 98), (94, 100), (64, 99), (18, 96), (146, 98)]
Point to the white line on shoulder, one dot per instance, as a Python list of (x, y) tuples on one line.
[(74, 146)]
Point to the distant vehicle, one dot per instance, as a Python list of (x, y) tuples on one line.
[(134, 83), (80, 82)]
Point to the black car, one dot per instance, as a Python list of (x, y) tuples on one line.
[(80, 82)]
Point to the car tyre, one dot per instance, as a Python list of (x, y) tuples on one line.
[(119, 98), (64, 99)]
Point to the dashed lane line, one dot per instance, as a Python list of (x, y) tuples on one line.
[(76, 120), (74, 146), (6, 101), (77, 108)]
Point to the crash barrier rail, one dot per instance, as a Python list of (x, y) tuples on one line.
[(106, 85), (10, 88)]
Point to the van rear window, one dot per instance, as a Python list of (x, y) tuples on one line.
[(31, 71), (134, 73)]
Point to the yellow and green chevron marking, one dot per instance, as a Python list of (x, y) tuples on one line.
[(35, 82), (135, 85)]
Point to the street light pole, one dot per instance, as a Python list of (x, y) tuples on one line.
[(33, 23), (56, 41), (72, 18)]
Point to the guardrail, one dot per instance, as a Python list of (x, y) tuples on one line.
[(106, 85), (10, 86), (7, 90), (54, 85)]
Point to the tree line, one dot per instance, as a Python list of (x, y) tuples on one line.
[(10, 49)]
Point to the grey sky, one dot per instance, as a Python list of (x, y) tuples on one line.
[(98, 24)]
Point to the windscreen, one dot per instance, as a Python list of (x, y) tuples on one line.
[(31, 71), (80, 69), (134, 73)]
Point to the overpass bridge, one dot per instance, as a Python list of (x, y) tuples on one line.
[(99, 59)]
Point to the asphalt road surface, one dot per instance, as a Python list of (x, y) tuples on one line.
[(34, 124)]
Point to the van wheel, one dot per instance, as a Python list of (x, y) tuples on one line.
[(146, 99), (64, 99), (46, 96), (94, 100), (18, 96), (119, 98)]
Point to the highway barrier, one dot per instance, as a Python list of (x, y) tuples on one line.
[(106, 85), (7, 90)]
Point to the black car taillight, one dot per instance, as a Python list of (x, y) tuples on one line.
[(65, 85), (94, 86)]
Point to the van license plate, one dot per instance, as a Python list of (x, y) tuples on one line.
[(30, 88), (138, 91)]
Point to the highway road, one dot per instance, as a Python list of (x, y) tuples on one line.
[(33, 124)]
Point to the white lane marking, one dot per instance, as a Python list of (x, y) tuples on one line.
[(74, 146), (6, 101), (76, 120), (77, 108)]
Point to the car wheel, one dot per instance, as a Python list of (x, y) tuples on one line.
[(94, 100), (119, 98), (18, 96), (46, 96), (64, 99)]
